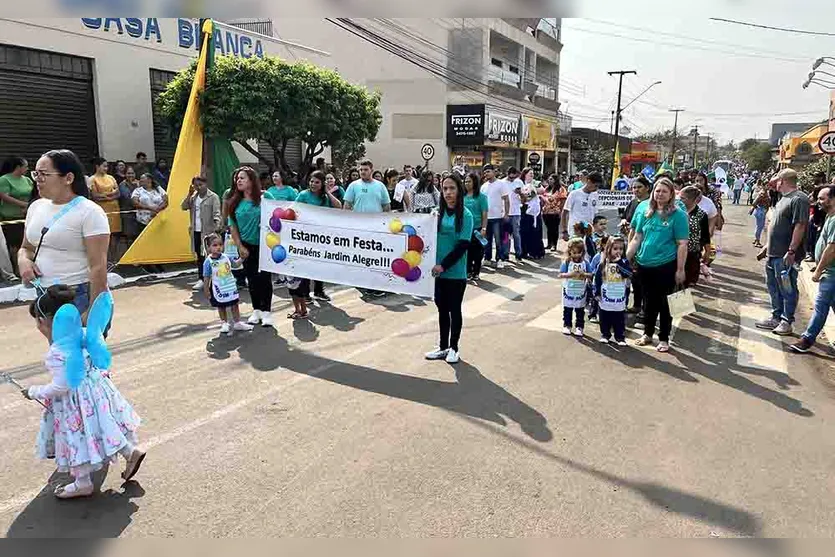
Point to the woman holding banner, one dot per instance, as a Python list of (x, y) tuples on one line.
[(455, 229), (245, 226)]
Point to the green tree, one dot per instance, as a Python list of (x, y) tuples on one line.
[(758, 156), (806, 176), (346, 156), (275, 101), (594, 159), (747, 144)]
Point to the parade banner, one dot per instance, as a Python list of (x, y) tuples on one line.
[(613, 199), (393, 252)]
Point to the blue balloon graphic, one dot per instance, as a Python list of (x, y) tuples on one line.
[(410, 230), (279, 254)]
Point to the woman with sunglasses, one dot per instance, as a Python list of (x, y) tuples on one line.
[(66, 235)]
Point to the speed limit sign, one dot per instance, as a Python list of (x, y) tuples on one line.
[(827, 143), (427, 151)]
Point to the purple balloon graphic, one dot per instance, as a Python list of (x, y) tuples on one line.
[(275, 224), (413, 274), (279, 254)]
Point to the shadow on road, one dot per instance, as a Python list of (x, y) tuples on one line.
[(680, 502), (471, 395), (104, 515)]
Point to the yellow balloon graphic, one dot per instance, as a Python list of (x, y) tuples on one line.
[(413, 258), (396, 225), (273, 240)]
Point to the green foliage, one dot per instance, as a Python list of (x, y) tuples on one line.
[(595, 158), (276, 101), (757, 156), (806, 176), (747, 144), (346, 156)]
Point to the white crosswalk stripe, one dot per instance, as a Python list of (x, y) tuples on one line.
[(757, 348)]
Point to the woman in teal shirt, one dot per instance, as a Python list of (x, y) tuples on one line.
[(455, 229), (476, 203), (245, 225), (659, 247), (279, 191)]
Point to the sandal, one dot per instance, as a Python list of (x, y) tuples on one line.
[(663, 347), (643, 340), (72, 491), (133, 463), (293, 315), (301, 315)]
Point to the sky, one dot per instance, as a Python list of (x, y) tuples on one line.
[(733, 81)]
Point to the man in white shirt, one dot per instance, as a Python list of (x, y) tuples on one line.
[(707, 205), (514, 223), (581, 205), (408, 182), (498, 211)]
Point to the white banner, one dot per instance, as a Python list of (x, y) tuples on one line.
[(612, 199), (394, 252)]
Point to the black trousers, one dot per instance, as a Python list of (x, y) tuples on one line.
[(659, 282), (197, 244), (474, 256), (318, 287), (449, 296), (613, 322), (637, 290), (568, 313), (552, 224), (259, 282)]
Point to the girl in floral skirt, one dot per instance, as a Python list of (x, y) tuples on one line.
[(87, 422)]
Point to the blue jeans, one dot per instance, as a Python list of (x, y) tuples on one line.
[(823, 303), (82, 302), (783, 300), (494, 234), (514, 228), (759, 218)]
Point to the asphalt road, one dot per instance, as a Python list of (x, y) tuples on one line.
[(338, 427)]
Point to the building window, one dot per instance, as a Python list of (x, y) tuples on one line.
[(496, 62)]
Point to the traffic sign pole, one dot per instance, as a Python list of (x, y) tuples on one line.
[(826, 144)]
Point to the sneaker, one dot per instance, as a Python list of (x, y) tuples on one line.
[(578, 332), (266, 319), (803, 345), (593, 318), (566, 330), (452, 356), (500, 264), (241, 326), (622, 343), (605, 341), (322, 296), (783, 329), (769, 324), (640, 317), (255, 318), (437, 354), (225, 329), (197, 285)]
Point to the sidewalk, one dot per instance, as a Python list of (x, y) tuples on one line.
[(809, 291)]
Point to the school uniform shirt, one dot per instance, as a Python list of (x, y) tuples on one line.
[(612, 283), (660, 235), (574, 290), (248, 221), (367, 197), (310, 198), (448, 237), (224, 287), (477, 205), (495, 191), (283, 193), (581, 206)]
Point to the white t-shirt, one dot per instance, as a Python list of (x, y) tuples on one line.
[(406, 184), (495, 191), (581, 206), (153, 198), (708, 206), (515, 200), (62, 258), (198, 201)]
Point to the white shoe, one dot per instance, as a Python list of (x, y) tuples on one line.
[(255, 318), (605, 341), (197, 285), (578, 332), (437, 354), (500, 264), (225, 329), (266, 319), (622, 343), (452, 357), (241, 326), (566, 330)]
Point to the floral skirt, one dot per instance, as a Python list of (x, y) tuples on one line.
[(87, 427)]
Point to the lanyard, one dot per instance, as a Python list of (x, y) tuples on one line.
[(55, 218)]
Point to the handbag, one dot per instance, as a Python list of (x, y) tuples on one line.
[(681, 303)]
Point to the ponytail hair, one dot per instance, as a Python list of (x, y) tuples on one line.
[(66, 162), (47, 304)]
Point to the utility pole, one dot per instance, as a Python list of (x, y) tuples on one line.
[(695, 132), (675, 133), (620, 74)]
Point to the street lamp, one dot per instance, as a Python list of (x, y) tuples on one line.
[(818, 81), (640, 95), (823, 60)]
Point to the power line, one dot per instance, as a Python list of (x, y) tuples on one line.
[(771, 28)]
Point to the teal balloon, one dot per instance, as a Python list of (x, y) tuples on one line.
[(279, 254)]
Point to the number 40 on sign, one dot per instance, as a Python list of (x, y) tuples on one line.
[(827, 143)]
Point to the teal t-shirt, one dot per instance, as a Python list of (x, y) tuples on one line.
[(448, 237), (248, 217), (661, 236), (476, 206), (827, 237), (311, 198), (284, 193), (367, 197)]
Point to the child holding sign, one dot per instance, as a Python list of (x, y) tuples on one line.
[(611, 281), (576, 272)]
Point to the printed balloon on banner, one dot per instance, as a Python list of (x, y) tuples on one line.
[(396, 225), (279, 254), (413, 274), (273, 240), (400, 267), (416, 244)]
